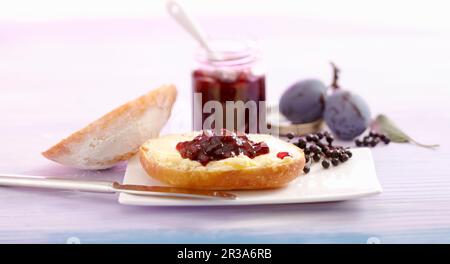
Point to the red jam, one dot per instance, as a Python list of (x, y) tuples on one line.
[(283, 155), (210, 146), (243, 87)]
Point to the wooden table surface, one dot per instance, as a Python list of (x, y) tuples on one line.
[(55, 77)]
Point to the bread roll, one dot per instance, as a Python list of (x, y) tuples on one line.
[(162, 161), (117, 135)]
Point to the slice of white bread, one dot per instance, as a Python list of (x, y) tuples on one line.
[(162, 161), (117, 135)]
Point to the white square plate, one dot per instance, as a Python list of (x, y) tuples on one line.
[(353, 179)]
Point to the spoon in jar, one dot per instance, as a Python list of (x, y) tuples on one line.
[(177, 12)]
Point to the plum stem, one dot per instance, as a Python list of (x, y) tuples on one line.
[(336, 72)]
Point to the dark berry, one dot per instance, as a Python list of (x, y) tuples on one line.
[(335, 162), (343, 157), (349, 153), (373, 134), (306, 169), (319, 135), (321, 145), (358, 142), (325, 164), (374, 142), (290, 135), (301, 143), (316, 157), (387, 141), (334, 154), (330, 139), (328, 153), (316, 150), (314, 138), (307, 151), (309, 138), (307, 158)]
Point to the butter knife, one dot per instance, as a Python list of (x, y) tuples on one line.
[(108, 187)]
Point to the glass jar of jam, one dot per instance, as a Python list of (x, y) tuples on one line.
[(229, 88)]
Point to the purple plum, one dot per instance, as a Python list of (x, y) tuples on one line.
[(303, 102), (346, 113)]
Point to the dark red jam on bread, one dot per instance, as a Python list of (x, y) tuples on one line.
[(282, 155), (211, 146)]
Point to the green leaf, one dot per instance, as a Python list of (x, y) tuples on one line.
[(383, 124)]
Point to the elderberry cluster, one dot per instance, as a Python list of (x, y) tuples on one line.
[(319, 147), (372, 139)]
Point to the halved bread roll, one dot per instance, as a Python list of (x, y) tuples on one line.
[(117, 135), (162, 161)]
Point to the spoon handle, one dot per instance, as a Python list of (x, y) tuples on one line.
[(177, 12)]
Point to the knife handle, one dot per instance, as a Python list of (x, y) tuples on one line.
[(108, 187), (61, 184)]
